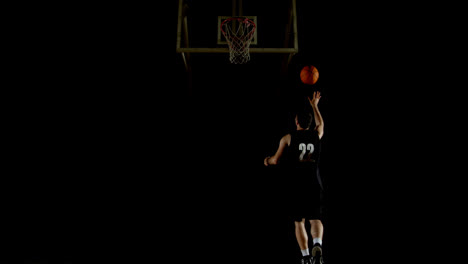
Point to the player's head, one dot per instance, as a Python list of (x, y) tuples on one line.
[(304, 119)]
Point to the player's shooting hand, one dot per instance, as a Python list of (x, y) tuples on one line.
[(315, 98)]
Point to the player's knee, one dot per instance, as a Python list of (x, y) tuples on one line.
[(315, 222)]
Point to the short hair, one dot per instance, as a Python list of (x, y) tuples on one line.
[(304, 118)]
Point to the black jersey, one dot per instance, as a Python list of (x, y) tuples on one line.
[(304, 148), (304, 154)]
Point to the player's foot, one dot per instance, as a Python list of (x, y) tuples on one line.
[(306, 260), (317, 254)]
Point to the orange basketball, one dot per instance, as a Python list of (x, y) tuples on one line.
[(309, 74)]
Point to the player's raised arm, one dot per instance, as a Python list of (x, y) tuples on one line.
[(284, 142), (317, 116)]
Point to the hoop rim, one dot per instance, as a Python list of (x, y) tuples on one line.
[(238, 19)]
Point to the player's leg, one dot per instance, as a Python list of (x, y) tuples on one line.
[(316, 231), (301, 234), (302, 239)]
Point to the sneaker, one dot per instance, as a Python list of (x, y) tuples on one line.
[(317, 254), (306, 260)]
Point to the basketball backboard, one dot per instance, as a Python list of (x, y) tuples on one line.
[(198, 27)]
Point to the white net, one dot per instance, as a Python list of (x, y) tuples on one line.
[(238, 32)]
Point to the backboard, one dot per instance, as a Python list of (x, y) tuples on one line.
[(198, 27)]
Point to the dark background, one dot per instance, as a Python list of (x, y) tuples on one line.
[(109, 154), (239, 113)]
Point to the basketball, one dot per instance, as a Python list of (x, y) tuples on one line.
[(309, 74)]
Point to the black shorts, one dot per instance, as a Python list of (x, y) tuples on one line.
[(307, 205), (305, 200)]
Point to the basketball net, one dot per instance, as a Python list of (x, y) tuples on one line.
[(238, 32)]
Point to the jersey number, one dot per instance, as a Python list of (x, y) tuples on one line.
[(304, 148)]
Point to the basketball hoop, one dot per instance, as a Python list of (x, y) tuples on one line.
[(238, 32)]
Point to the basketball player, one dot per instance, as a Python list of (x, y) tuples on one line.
[(301, 151)]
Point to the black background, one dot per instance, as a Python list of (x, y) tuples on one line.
[(110, 157)]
